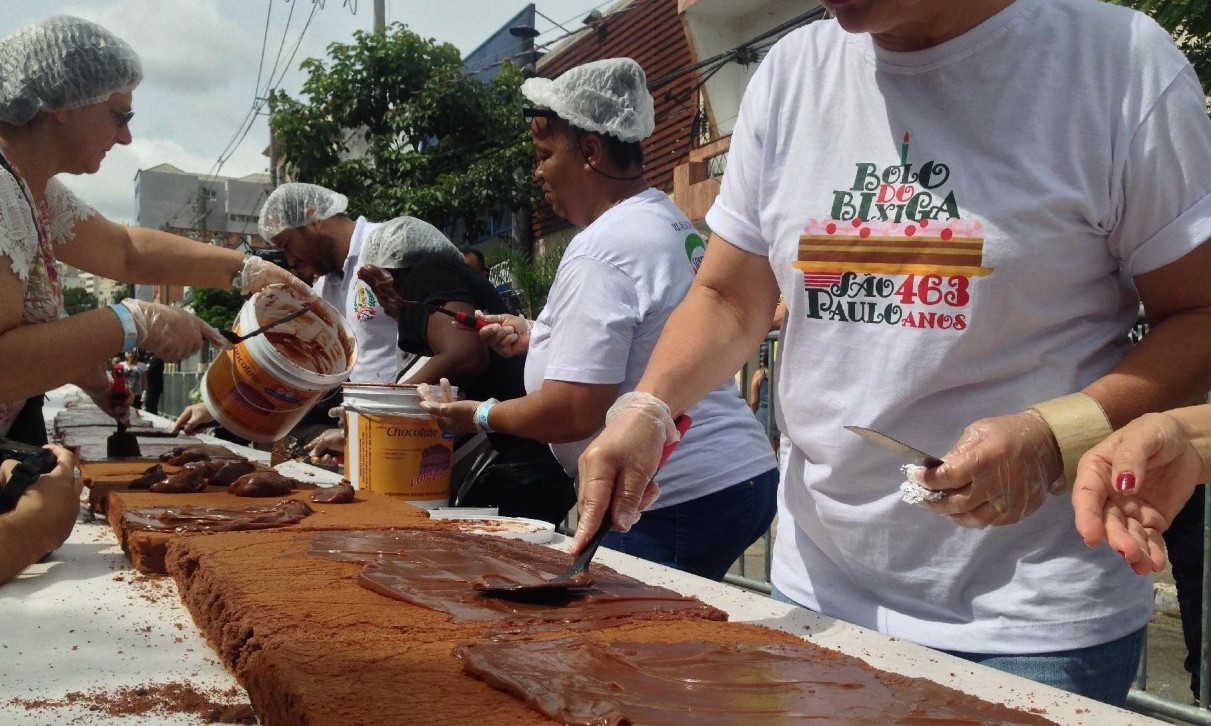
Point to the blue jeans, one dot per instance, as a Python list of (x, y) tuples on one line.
[(1101, 672), (704, 535)]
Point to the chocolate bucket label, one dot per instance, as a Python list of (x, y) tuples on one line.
[(894, 250), (402, 455)]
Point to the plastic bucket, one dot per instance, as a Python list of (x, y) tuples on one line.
[(393, 447), (263, 386)]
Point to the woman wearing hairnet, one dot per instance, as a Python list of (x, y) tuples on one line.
[(617, 283), (65, 99)]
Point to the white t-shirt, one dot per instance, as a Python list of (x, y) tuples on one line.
[(993, 197), (378, 359), (617, 283)]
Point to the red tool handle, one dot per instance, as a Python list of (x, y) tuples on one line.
[(119, 383), (682, 423), (470, 320)]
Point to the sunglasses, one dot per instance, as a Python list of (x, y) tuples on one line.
[(122, 119), (529, 113)]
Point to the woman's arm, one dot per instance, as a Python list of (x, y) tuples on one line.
[(1172, 364), (37, 358), (140, 255), (43, 518), (754, 389), (458, 352)]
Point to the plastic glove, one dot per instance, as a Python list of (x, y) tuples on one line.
[(999, 472), (616, 470), (508, 335), (168, 332), (194, 417), (326, 447), (451, 415), (256, 273), (99, 388), (1129, 488)]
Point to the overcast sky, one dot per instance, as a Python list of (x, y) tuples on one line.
[(201, 60)]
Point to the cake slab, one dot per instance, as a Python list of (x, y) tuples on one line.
[(146, 548)]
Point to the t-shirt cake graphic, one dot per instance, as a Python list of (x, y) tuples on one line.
[(364, 302), (894, 251)]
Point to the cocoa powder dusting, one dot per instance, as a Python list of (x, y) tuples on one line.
[(210, 705)]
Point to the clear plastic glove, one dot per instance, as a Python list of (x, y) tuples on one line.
[(168, 332), (327, 447), (453, 416), (256, 273), (100, 389), (615, 472), (1000, 471), (508, 335), (194, 417), (1129, 488)]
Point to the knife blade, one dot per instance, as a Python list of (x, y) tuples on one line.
[(913, 455)]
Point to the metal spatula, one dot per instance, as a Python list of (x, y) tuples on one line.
[(234, 337), (576, 576)]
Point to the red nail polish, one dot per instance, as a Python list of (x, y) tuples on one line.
[(1126, 482)]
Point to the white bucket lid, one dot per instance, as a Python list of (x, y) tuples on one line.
[(385, 398)]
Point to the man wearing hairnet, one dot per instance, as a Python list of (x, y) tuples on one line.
[(66, 98), (308, 224), (618, 282)]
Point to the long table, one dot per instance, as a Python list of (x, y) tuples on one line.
[(84, 622)]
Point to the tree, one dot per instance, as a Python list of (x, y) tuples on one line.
[(392, 122), (77, 300), (1189, 22), (219, 308), (121, 292)]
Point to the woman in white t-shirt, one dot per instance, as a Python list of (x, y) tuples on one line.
[(65, 101), (963, 205), (617, 283)]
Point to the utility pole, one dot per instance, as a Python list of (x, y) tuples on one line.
[(380, 16)]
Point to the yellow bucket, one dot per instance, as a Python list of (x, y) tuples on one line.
[(392, 446)]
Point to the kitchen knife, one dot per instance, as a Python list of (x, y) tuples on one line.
[(913, 455)]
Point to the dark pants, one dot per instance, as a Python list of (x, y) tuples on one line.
[(704, 535), (524, 481), (151, 399), (1184, 542)]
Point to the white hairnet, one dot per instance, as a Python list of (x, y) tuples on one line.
[(405, 241), (62, 63), (606, 96), (295, 205)]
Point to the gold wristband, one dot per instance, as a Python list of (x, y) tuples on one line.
[(1078, 424)]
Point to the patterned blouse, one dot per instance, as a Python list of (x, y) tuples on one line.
[(27, 240)]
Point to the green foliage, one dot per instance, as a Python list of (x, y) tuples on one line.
[(1189, 22), (78, 300), (532, 277), (121, 292), (217, 307), (392, 122)]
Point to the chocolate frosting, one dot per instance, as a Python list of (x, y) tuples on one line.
[(262, 483), (216, 519), (578, 681), (198, 452), (191, 478), (341, 493), (437, 570)]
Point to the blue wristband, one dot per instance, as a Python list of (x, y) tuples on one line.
[(130, 334), (481, 415)]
